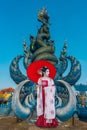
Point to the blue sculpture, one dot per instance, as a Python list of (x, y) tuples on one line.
[(41, 47), (81, 101)]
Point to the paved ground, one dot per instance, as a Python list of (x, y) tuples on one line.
[(10, 123)]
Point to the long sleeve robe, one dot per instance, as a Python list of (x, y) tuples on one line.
[(45, 98)]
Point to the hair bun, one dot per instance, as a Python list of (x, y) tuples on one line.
[(44, 68)]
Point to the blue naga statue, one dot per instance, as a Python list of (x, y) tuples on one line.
[(81, 106), (41, 47)]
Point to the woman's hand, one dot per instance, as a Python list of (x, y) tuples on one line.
[(38, 85)]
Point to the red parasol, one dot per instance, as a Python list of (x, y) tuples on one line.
[(34, 68)]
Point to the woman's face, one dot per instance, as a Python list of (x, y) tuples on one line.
[(47, 72)]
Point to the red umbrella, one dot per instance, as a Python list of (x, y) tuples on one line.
[(35, 67)]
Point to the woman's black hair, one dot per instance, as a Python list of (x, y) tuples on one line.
[(44, 70)]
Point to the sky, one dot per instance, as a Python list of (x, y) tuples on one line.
[(18, 19)]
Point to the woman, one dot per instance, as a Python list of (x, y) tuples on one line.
[(46, 100)]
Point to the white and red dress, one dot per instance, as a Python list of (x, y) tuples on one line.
[(46, 103)]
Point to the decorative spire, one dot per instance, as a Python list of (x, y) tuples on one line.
[(63, 53), (43, 16)]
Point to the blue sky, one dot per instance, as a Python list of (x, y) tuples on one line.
[(18, 19)]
